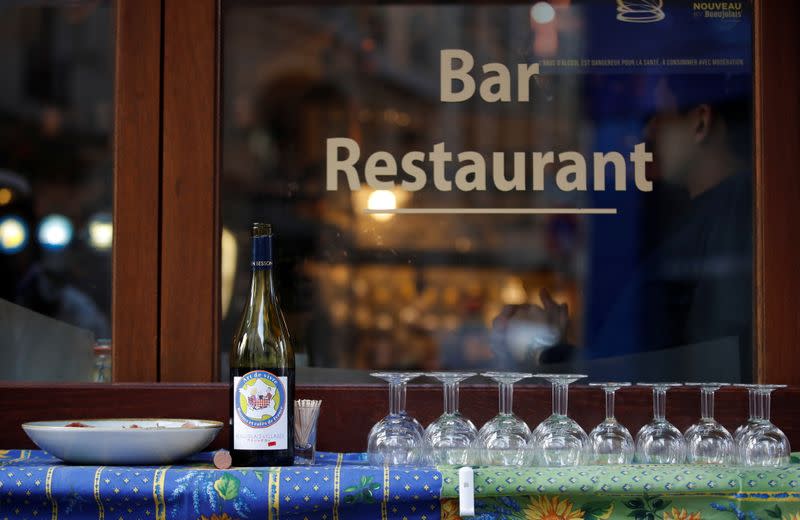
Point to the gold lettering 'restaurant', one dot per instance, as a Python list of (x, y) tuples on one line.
[(473, 172)]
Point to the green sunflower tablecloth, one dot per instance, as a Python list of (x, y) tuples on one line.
[(35, 485), (638, 492)]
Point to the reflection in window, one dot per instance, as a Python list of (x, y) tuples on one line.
[(56, 186), (660, 290)]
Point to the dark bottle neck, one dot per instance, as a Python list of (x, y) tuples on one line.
[(261, 285), (261, 257)]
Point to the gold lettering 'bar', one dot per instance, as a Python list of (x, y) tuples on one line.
[(494, 211)]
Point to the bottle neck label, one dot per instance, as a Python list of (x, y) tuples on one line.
[(262, 254)]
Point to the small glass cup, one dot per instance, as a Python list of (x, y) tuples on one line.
[(306, 413), (101, 372), (503, 440), (766, 444), (611, 442), (397, 438), (707, 441), (659, 442), (448, 439), (559, 440)]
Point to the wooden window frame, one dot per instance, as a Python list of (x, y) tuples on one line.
[(166, 245), (187, 351)]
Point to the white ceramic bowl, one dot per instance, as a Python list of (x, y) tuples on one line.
[(115, 442)]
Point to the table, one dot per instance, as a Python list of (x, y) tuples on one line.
[(35, 485)]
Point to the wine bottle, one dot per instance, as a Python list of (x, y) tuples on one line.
[(262, 370)]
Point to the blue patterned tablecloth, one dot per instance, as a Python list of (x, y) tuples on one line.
[(35, 485)]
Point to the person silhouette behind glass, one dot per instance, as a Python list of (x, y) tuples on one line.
[(693, 282)]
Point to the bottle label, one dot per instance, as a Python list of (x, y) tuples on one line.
[(262, 253), (260, 420)]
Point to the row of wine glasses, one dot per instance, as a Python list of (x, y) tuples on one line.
[(399, 439)]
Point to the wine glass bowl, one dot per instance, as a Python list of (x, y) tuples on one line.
[(709, 442), (659, 442), (559, 440), (503, 440), (764, 444), (397, 439), (610, 441), (449, 438), (394, 441)]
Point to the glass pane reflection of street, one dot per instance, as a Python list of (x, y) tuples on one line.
[(659, 290)]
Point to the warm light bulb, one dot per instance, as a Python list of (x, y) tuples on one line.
[(513, 292), (382, 200), (101, 232), (5, 196), (13, 234)]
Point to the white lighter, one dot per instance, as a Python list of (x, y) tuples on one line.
[(466, 492)]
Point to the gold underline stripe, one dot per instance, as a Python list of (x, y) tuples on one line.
[(270, 495), (158, 492), (101, 514), (493, 211), (278, 494), (337, 472), (384, 515), (48, 490)]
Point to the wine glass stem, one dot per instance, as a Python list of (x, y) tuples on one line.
[(506, 398), (560, 398), (765, 405), (397, 398), (450, 397), (659, 404), (609, 404), (751, 397), (707, 404)]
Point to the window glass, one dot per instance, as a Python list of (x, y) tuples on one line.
[(567, 185), (56, 188)]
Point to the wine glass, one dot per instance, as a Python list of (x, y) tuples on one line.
[(766, 444), (503, 440), (559, 440), (659, 442), (708, 442), (754, 414), (397, 438), (611, 442), (449, 437)]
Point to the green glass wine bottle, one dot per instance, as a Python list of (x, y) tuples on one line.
[(262, 370)]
